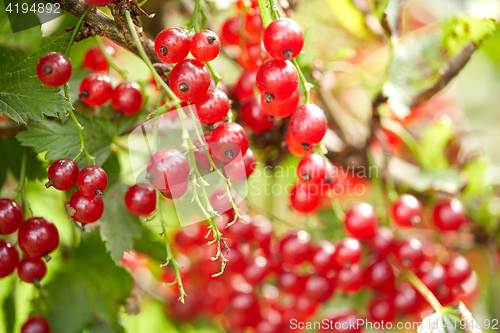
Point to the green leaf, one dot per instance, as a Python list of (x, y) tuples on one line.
[(22, 95), (449, 181), (378, 7), (267, 13), (35, 169), (118, 226), (62, 140), (350, 17), (432, 145), (9, 311), (150, 243), (88, 293), (477, 172), (461, 30), (445, 321)]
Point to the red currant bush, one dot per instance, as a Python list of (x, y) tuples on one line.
[(95, 60), (406, 211), (140, 199), (449, 215), (166, 168), (190, 80), (63, 174), (308, 125), (85, 209), (361, 222), (11, 216), (254, 116), (277, 79), (54, 69), (283, 39), (205, 45), (32, 270), (172, 45), (38, 237), (9, 257), (92, 180), (228, 141), (127, 98), (95, 89), (281, 109), (213, 107), (311, 169), (36, 324)]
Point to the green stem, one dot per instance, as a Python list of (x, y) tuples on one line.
[(22, 179), (337, 209), (306, 85), (196, 14), (109, 59), (423, 290), (215, 75), (77, 30)]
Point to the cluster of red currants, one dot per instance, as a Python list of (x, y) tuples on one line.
[(86, 204), (37, 237)]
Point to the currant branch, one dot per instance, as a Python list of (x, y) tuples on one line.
[(21, 190)]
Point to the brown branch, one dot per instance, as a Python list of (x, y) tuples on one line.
[(446, 74)]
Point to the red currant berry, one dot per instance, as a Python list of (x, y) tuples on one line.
[(140, 199), (176, 191), (172, 45), (92, 180), (349, 252), (253, 27), (36, 324), (213, 107), (248, 163), (255, 272), (252, 56), (254, 116), (410, 253), (231, 31), (32, 270), (62, 174), (281, 109), (54, 69), (241, 4), (291, 283), (407, 300), (11, 216), (383, 242), (295, 148), (205, 45), (86, 209), (200, 154), (244, 87), (458, 270), (190, 80), (38, 237), (311, 169), (323, 259), (361, 221), (350, 280), (228, 141), (296, 248), (127, 98), (95, 89), (305, 198), (342, 321), (166, 168), (319, 288), (406, 211), (382, 309), (432, 275), (95, 60), (308, 125), (8, 259), (283, 39), (277, 79), (449, 215), (380, 276), (331, 176)]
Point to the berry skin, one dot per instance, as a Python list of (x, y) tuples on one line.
[(190, 80), (407, 299), (213, 107), (253, 27), (380, 276), (433, 276), (92, 180), (36, 324), (341, 321), (32, 270), (88, 209), (254, 116), (296, 248), (230, 33), (63, 174), (250, 162), (244, 87), (283, 39), (228, 141), (381, 309), (95, 60), (127, 98), (200, 155), (319, 288), (95, 89), (166, 168), (348, 252), (361, 221), (281, 109), (38, 237), (295, 148), (305, 198), (350, 280), (140, 200), (54, 69), (277, 79), (308, 125), (11, 216), (172, 45), (323, 259), (449, 215), (410, 253), (205, 45), (252, 56), (255, 272), (406, 211), (176, 191), (234, 169), (8, 258), (311, 169), (383, 242), (458, 270)]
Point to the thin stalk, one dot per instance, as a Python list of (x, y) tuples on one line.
[(77, 30), (109, 59), (21, 186), (337, 209), (306, 85), (216, 76), (196, 14), (423, 290)]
